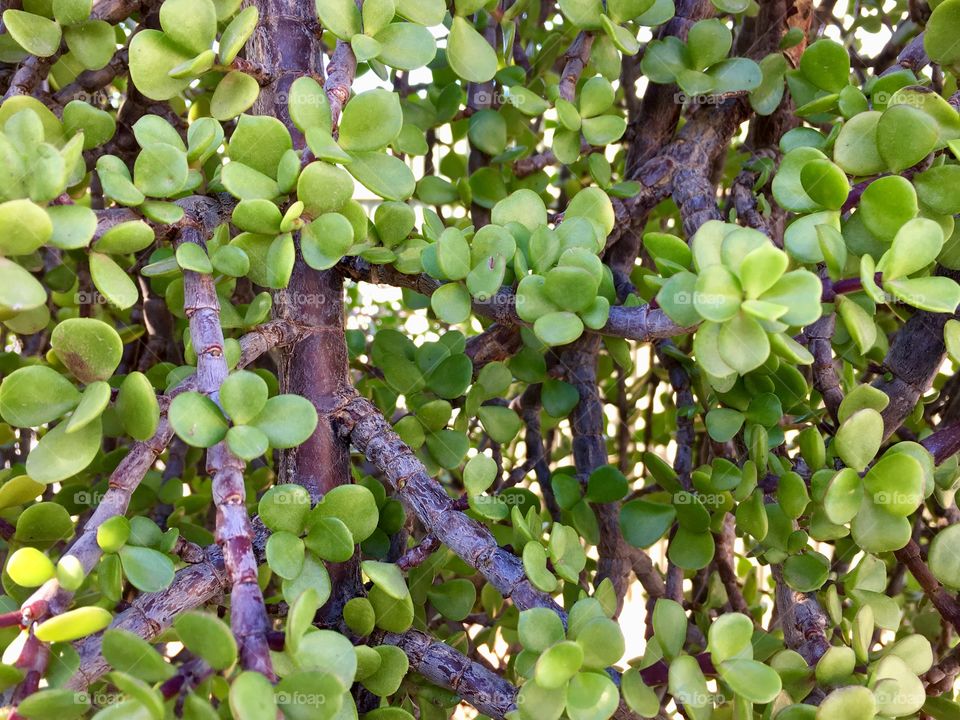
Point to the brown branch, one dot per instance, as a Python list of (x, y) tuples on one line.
[(91, 81), (588, 427), (943, 600), (913, 361), (51, 598), (316, 367), (803, 620), (819, 337), (577, 57), (641, 323), (340, 74), (248, 615), (150, 614), (442, 665), (497, 343), (371, 434), (725, 559)]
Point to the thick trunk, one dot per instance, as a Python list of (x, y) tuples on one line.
[(286, 46)]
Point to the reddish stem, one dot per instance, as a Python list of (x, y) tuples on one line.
[(248, 615)]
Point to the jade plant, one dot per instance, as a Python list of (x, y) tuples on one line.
[(581, 359)]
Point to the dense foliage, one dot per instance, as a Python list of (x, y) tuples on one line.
[(672, 322)]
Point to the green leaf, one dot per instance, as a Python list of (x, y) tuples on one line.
[(160, 170), (355, 506), (192, 26), (243, 395), (61, 454), (606, 484), (236, 34), (35, 395), (887, 204), (393, 667), (236, 93), (896, 483), (479, 473), (451, 303), (112, 281), (285, 507), (34, 33), (91, 43), (843, 497), (387, 577), (539, 629), (940, 38), (643, 522), (687, 684), (501, 423), (131, 654), (286, 420), (330, 539), (28, 567), (934, 294), (252, 697), (584, 14), (558, 328), (535, 564), (326, 240), (371, 120), (855, 149), (153, 54), (73, 624), (469, 54), (905, 136), (806, 572), (95, 399), (859, 437), (208, 637), (54, 704), (384, 175), (944, 556), (24, 227), (246, 442), (743, 344), (916, 245), (453, 599), (752, 680), (341, 17), (591, 696), (799, 291), (787, 186), (359, 616), (197, 420), (825, 183), (147, 570), (558, 663), (71, 12), (848, 703), (826, 64), (285, 554), (406, 46)]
